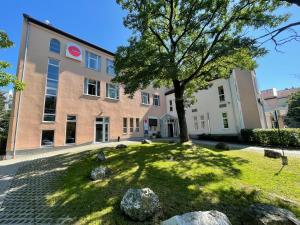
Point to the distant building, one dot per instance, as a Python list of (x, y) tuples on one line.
[(277, 101), (8, 100), (225, 108)]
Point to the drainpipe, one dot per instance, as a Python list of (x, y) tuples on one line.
[(20, 95)]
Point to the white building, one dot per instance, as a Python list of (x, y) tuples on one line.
[(225, 108)]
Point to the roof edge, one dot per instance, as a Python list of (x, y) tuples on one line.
[(56, 30)]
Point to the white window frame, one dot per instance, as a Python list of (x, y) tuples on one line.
[(86, 87), (202, 121), (196, 125), (113, 87), (221, 95), (97, 59), (137, 125), (225, 118), (125, 128), (156, 100), (147, 95), (108, 61), (171, 105), (131, 125)]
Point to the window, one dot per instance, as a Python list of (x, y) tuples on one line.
[(202, 121), (194, 110), (51, 90), (225, 120), (112, 91), (221, 94), (54, 46), (196, 126), (153, 123), (124, 125), (92, 61), (137, 125), (47, 138), (145, 98), (91, 87), (71, 130), (110, 68), (131, 125), (156, 100), (171, 106)]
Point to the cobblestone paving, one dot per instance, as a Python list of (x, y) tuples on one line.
[(25, 202)]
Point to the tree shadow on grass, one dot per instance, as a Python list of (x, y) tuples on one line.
[(179, 177)]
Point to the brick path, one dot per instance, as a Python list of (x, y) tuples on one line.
[(26, 182)]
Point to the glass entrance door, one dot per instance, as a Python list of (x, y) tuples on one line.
[(102, 129)]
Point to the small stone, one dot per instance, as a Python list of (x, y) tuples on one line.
[(100, 172), (199, 218), (101, 156), (121, 146), (261, 214), (140, 204), (146, 141)]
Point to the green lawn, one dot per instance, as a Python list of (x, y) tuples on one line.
[(184, 179)]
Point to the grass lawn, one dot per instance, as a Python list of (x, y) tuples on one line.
[(184, 180)]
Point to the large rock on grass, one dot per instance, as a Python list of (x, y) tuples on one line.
[(140, 204), (199, 218), (261, 214), (146, 141), (101, 156), (121, 146), (100, 172)]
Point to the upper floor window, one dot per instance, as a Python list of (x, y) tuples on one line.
[(110, 68), (156, 100), (225, 120), (221, 94), (92, 61), (112, 91), (91, 87), (54, 45), (171, 105), (145, 98)]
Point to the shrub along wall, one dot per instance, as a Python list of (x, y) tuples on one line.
[(288, 137)]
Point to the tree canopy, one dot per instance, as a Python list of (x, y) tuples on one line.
[(6, 78), (293, 116), (186, 44)]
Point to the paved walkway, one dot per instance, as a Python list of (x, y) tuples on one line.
[(26, 181)]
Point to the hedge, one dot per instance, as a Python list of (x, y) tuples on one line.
[(220, 138), (287, 137)]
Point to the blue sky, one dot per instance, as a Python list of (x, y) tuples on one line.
[(100, 22)]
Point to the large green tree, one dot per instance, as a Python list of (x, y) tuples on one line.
[(185, 44), (293, 116), (6, 78)]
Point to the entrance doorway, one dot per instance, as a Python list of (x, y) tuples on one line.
[(170, 130), (102, 129)]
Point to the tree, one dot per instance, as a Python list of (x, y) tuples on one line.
[(293, 116), (6, 78), (186, 44)]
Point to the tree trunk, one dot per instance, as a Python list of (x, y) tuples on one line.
[(179, 101)]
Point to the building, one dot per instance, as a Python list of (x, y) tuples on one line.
[(8, 100), (225, 108), (69, 97), (276, 103)]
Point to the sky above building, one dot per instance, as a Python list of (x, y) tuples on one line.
[(100, 22)]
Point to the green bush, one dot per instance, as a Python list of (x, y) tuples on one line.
[(288, 137)]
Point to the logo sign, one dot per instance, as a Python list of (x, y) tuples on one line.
[(73, 51)]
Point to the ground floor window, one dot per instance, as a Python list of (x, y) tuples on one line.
[(202, 121), (196, 126), (131, 125), (225, 120), (137, 125), (71, 130), (124, 125), (47, 138), (153, 124)]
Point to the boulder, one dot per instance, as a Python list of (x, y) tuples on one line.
[(272, 154), (140, 204), (101, 156), (100, 172), (121, 146), (261, 214), (198, 218), (146, 141)]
